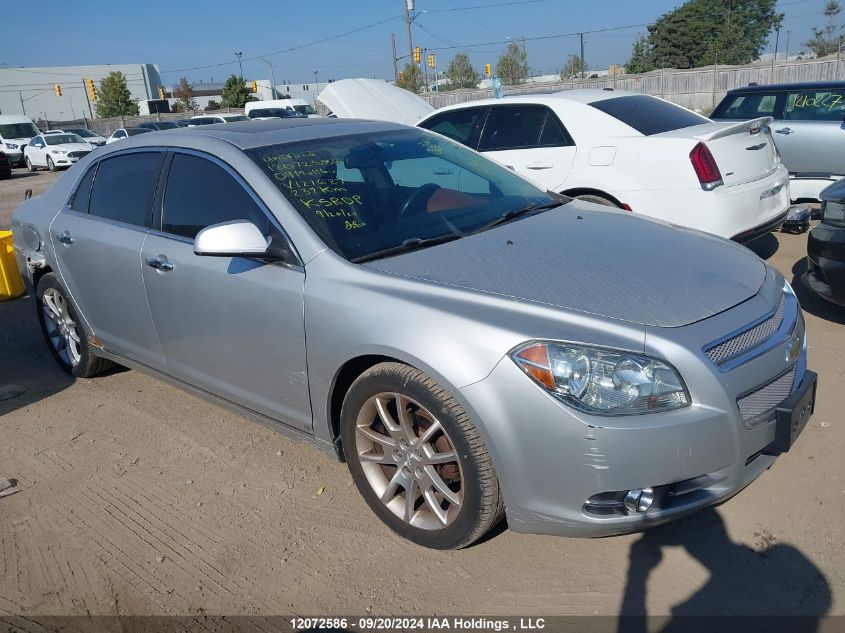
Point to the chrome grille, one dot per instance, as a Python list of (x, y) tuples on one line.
[(765, 398), (79, 154), (743, 341)]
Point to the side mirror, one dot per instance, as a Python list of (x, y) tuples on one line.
[(231, 239)]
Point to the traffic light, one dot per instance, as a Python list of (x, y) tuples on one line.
[(92, 89), (254, 86), (487, 69), (417, 55), (161, 94), (57, 89), (431, 61)]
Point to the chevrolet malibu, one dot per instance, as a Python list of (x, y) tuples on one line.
[(472, 352)]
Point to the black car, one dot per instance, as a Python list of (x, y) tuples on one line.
[(826, 247), (279, 113), (159, 125), (5, 166)]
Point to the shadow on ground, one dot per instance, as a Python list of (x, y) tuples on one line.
[(777, 581)]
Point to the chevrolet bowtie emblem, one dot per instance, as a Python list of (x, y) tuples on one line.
[(793, 350)]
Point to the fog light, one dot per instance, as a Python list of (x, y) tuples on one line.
[(639, 499)]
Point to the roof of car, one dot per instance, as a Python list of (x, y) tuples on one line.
[(582, 95), (249, 134), (807, 85)]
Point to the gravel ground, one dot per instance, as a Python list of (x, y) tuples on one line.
[(136, 498)]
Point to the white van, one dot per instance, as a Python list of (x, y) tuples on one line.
[(300, 106), (16, 132)]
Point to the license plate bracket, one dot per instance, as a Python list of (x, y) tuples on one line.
[(793, 414)]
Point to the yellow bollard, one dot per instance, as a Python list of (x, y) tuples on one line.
[(11, 284)]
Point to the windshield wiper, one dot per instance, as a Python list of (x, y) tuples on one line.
[(411, 244), (507, 216)]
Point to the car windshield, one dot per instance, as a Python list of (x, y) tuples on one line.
[(134, 131), (61, 139), (18, 130), (305, 109), (367, 193), (232, 119), (649, 115), (83, 133)]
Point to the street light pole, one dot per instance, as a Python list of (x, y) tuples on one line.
[(408, 5), (239, 54), (272, 78), (316, 86)]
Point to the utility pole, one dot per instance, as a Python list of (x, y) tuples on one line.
[(239, 54), (395, 66), (272, 78), (87, 98), (20, 96), (787, 46), (582, 55), (775, 54), (408, 4)]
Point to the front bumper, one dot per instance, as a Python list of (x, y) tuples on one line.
[(554, 463), (826, 262)]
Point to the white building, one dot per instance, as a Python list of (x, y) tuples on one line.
[(31, 91)]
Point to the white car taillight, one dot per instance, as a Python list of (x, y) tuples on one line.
[(705, 167)]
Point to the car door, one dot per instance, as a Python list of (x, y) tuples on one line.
[(37, 152), (531, 140), (232, 326), (811, 132), (97, 238)]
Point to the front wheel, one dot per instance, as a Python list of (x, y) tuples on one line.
[(417, 459), (50, 165), (63, 332)]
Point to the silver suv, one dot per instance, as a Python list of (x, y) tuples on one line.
[(809, 128)]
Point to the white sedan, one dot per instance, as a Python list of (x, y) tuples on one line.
[(126, 132), (55, 150), (622, 149)]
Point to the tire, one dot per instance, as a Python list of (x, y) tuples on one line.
[(590, 197), (451, 457), (65, 337), (50, 165), (29, 165)]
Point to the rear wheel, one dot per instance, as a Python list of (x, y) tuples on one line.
[(29, 165), (417, 459), (63, 331)]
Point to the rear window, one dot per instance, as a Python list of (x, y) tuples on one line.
[(649, 115), (749, 106), (124, 187)]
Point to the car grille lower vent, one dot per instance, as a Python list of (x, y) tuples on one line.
[(78, 154), (747, 339), (757, 405)]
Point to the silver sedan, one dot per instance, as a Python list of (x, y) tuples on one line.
[(473, 347)]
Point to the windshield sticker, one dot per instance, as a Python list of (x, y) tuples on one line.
[(821, 101)]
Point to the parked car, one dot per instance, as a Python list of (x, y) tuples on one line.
[(126, 132), (55, 150), (15, 134), (89, 136), (471, 351), (274, 113), (297, 106), (808, 128), (211, 119), (52, 132), (826, 247), (624, 150), (5, 165), (159, 125)]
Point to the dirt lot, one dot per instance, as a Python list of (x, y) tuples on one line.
[(139, 499)]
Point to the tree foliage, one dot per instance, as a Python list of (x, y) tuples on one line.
[(574, 68), (703, 32), (411, 78), (828, 39), (512, 67), (235, 93), (114, 98), (461, 74), (211, 105), (186, 95)]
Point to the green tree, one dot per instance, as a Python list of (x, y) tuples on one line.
[(461, 74), (575, 67), (114, 98), (828, 39), (411, 78), (211, 105), (512, 67), (703, 32), (235, 93), (186, 95)]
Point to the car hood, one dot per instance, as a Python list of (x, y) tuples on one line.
[(605, 263), (373, 99), (18, 141), (73, 147)]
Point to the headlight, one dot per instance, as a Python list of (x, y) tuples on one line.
[(603, 381), (11, 145), (833, 213), (59, 151)]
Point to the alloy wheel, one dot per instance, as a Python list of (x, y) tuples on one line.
[(409, 461), (61, 328)]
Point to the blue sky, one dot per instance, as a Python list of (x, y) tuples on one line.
[(180, 37)]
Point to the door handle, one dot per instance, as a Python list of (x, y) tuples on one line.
[(539, 165), (784, 130), (65, 238), (159, 264), (443, 172)]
